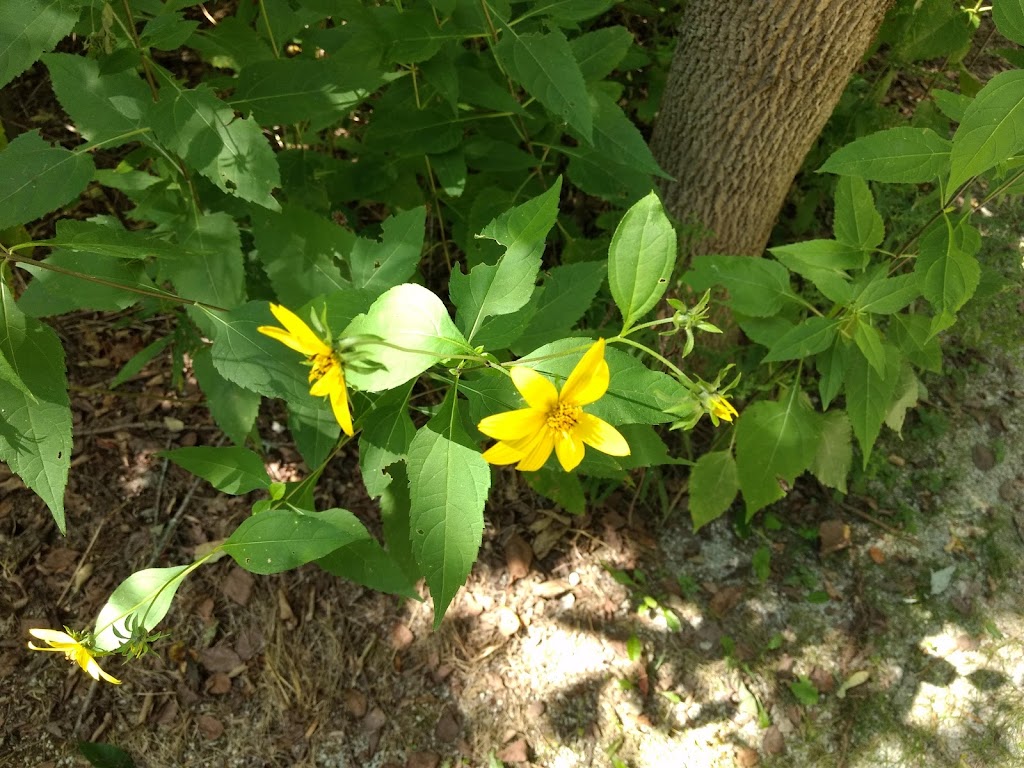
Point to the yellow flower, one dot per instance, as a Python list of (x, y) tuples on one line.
[(62, 642), (554, 420), (721, 408), (326, 375)]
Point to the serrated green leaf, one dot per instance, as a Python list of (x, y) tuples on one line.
[(365, 562), (232, 44), (233, 408), (106, 107), (448, 485), (952, 105), (569, 12), (282, 539), (857, 222), (813, 335), (39, 178), (869, 395), (545, 67), (617, 184), (145, 597), (869, 342), (757, 287), (230, 469), (167, 31), (386, 433), (886, 295), (992, 130), (714, 484), (947, 269), (824, 263), (105, 236), (381, 264), (937, 30), (898, 155), (566, 294), (616, 140), (640, 259), (230, 151), (11, 376), (301, 252), (563, 488), (774, 440), (1009, 18), (55, 293), (28, 28), (35, 429), (598, 52), (210, 266), (508, 285), (905, 397), (418, 331), (831, 366), (315, 431), (805, 691), (912, 333), (834, 455), (402, 127), (394, 514), (283, 91)]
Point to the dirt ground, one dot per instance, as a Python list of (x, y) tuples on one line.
[(880, 628)]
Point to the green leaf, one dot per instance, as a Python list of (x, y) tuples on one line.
[(774, 440), (545, 67), (283, 91), (106, 107), (563, 488), (414, 320), (508, 285), (761, 563), (600, 51), (913, 336), (857, 222), (314, 429), (230, 469), (905, 396), (106, 236), (813, 335), (232, 44), (30, 27), (947, 269), (992, 130), (869, 342), (869, 395), (365, 562), (39, 178), (145, 597), (886, 295), (232, 407), (301, 252), (139, 361), (567, 293), (204, 131), (617, 140), (824, 263), (640, 259), (54, 293), (209, 266), (832, 366), (805, 691), (394, 514), (167, 32), (937, 30), (281, 539), (448, 485), (403, 128), (381, 264), (35, 414), (384, 439), (102, 755), (1009, 18), (952, 105), (898, 155), (11, 376), (834, 455), (714, 484), (757, 287)]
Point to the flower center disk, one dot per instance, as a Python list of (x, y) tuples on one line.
[(564, 417), (321, 364)]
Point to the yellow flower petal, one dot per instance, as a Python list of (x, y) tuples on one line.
[(309, 343), (92, 667), (339, 404), (501, 453), (53, 637), (569, 449), (538, 392), (601, 435), (722, 408), (512, 425), (279, 334), (540, 449), (589, 379), (73, 650)]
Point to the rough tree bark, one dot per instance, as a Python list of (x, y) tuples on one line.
[(751, 86)]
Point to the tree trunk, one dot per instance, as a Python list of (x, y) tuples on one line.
[(751, 86)]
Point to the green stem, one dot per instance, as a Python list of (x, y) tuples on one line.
[(270, 32), (660, 358)]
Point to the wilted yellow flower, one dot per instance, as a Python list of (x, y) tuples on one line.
[(554, 420), (326, 374), (721, 408), (62, 642)]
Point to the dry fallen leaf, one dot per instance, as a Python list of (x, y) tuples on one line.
[(518, 557), (877, 555), (210, 726), (515, 752), (834, 535)]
